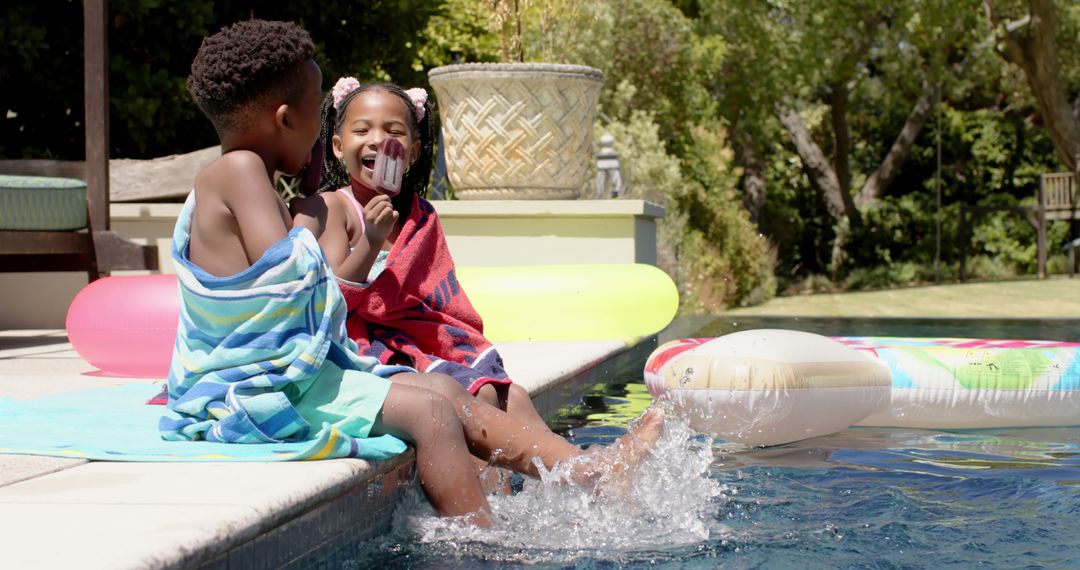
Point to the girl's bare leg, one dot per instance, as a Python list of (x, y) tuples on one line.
[(443, 460), (495, 436), (518, 404)]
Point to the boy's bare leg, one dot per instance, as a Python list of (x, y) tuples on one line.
[(493, 434), (443, 462)]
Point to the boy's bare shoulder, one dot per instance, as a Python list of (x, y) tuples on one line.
[(234, 171)]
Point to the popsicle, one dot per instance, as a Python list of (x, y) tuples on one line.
[(389, 166)]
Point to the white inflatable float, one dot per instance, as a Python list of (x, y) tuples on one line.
[(769, 387)]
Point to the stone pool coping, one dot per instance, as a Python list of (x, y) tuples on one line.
[(61, 513)]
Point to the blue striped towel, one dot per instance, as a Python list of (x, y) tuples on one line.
[(114, 424), (251, 345)]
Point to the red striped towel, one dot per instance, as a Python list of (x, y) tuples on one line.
[(417, 309)]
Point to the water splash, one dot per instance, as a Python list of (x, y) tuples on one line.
[(834, 501), (668, 501)]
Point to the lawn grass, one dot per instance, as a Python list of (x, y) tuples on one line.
[(1049, 298)]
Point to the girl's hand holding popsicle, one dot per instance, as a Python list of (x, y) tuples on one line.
[(379, 220)]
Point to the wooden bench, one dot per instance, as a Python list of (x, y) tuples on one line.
[(45, 225), (93, 248), (1056, 200), (1070, 250)]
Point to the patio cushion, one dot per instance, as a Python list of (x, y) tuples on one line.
[(41, 203)]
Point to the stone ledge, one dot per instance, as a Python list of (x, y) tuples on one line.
[(180, 515), (161, 515), (457, 208), (547, 208)]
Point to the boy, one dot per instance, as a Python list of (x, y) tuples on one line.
[(258, 84)]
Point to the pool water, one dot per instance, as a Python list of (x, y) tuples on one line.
[(881, 498), (863, 498)]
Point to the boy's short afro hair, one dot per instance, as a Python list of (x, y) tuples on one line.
[(246, 62)]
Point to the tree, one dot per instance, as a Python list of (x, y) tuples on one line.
[(151, 45), (826, 61), (1031, 42)]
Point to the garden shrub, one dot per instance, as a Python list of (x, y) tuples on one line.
[(706, 241), (885, 276), (810, 284), (990, 267)]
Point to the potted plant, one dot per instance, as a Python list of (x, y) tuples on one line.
[(517, 130)]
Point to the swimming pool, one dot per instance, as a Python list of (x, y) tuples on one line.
[(864, 497)]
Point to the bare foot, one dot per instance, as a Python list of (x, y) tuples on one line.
[(643, 435), (614, 462)]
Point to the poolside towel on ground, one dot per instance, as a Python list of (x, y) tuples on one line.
[(416, 307), (114, 424), (262, 356)]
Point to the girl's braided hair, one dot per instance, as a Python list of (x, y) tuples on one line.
[(415, 181)]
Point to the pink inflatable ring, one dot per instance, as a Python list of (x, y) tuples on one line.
[(126, 325)]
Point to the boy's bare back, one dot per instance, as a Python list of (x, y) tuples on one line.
[(238, 214)]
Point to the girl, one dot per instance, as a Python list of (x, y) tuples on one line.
[(396, 273)]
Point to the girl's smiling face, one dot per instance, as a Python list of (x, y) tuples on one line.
[(371, 117)]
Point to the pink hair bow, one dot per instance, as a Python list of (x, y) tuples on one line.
[(419, 98), (341, 89)]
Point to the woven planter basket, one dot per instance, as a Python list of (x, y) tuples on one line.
[(517, 131)]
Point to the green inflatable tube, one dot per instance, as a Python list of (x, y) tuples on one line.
[(570, 302)]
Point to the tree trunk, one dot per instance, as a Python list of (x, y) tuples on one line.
[(1036, 54), (817, 168), (754, 189), (877, 182), (838, 200), (838, 108)]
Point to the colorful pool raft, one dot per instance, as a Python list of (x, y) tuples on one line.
[(768, 387)]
